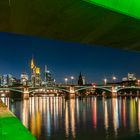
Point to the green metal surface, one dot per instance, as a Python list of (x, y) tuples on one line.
[(128, 7), (10, 127)]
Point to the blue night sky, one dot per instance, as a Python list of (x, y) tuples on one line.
[(65, 59)]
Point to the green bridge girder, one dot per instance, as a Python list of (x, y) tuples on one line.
[(128, 7), (106, 88), (12, 89), (65, 89)]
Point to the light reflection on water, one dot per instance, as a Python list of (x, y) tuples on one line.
[(57, 118)]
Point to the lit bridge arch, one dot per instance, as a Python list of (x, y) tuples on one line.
[(105, 88), (12, 89), (50, 88), (124, 88)]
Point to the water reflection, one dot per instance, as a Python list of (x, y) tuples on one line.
[(72, 116), (132, 114), (115, 115), (94, 112), (25, 111), (57, 118), (124, 112), (67, 120), (139, 114), (105, 116)]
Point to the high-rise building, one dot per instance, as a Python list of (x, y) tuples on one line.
[(37, 77), (24, 79), (81, 80), (4, 80), (35, 74), (7, 80), (48, 80), (130, 77)]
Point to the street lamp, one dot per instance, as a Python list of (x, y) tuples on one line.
[(105, 81), (114, 78), (72, 78), (66, 81)]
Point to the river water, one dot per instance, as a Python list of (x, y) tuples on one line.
[(87, 118)]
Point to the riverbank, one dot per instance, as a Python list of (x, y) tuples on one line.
[(10, 127)]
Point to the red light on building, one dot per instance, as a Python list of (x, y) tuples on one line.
[(94, 85)]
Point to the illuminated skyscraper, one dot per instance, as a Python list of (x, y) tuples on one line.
[(33, 71), (24, 79), (32, 63), (48, 80), (8, 80), (37, 77), (35, 74)]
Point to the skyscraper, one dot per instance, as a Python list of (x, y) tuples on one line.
[(48, 77), (24, 79), (35, 74), (37, 77)]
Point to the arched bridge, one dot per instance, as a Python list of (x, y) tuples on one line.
[(67, 89)]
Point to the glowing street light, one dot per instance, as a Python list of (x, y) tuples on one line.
[(105, 81), (72, 78), (66, 81), (114, 78)]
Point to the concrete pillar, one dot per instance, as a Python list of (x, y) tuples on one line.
[(69, 96), (25, 94), (114, 92), (72, 90)]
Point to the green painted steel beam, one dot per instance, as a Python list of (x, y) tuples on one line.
[(128, 7)]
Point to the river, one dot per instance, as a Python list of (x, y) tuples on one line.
[(86, 118)]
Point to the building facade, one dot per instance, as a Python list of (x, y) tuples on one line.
[(48, 79), (24, 78)]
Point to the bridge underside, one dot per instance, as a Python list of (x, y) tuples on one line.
[(72, 20), (127, 7)]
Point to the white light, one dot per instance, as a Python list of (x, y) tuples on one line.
[(114, 78), (72, 77), (105, 80), (2, 95), (66, 79)]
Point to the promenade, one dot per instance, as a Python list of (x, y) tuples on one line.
[(10, 127)]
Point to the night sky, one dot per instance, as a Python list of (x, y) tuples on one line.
[(65, 59)]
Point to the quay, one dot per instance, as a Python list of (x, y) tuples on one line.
[(10, 127)]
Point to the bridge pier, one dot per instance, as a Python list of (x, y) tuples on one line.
[(71, 94), (114, 92), (25, 95)]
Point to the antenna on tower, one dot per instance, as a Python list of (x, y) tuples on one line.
[(45, 68)]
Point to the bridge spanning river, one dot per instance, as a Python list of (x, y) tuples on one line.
[(71, 90)]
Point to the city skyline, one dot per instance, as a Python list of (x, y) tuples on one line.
[(65, 59)]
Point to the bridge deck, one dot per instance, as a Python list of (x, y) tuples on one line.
[(10, 127)]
